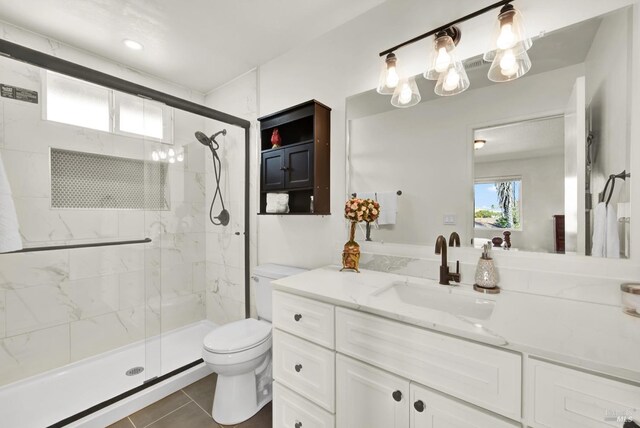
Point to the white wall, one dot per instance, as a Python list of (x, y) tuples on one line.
[(427, 151), (542, 198)]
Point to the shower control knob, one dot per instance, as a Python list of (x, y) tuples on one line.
[(397, 395), (298, 424), (298, 367), (297, 317), (419, 406)]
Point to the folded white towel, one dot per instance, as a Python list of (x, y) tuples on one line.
[(613, 235), (606, 240), (9, 229), (278, 203), (388, 207)]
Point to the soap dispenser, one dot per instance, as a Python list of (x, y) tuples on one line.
[(486, 273)]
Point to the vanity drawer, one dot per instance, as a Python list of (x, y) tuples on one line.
[(487, 377), (567, 398), (430, 409), (290, 409), (306, 318), (305, 368)]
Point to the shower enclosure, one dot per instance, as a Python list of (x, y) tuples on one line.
[(122, 273)]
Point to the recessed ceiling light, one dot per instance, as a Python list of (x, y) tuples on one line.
[(132, 44)]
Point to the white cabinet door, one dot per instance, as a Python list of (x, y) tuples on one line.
[(432, 410), (305, 318), (564, 398), (368, 397)]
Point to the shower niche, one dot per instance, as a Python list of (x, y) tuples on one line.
[(295, 158)]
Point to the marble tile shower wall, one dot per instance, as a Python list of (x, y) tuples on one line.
[(225, 245), (58, 307)]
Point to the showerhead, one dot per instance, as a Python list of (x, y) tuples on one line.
[(203, 138), (208, 141)]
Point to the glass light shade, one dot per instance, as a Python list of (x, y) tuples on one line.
[(389, 77), (509, 65), (453, 81), (406, 93), (442, 56), (509, 33), (478, 144)]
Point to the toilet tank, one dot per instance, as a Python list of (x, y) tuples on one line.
[(262, 277)]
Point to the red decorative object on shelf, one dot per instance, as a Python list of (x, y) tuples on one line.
[(276, 141)]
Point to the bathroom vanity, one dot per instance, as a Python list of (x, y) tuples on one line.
[(380, 350)]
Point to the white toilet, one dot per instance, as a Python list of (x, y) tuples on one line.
[(240, 353)]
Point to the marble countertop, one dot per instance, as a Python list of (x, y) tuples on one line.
[(593, 336)]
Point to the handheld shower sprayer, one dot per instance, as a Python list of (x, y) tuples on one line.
[(221, 219)]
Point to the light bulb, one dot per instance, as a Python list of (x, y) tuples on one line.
[(405, 94), (180, 157), (172, 153), (172, 160), (506, 39), (163, 154), (155, 156), (451, 81), (392, 77), (443, 60), (508, 64)]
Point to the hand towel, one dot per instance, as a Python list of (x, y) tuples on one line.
[(277, 203), (9, 229), (599, 238), (613, 235), (388, 207)]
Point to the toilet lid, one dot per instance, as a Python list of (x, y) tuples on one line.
[(237, 336)]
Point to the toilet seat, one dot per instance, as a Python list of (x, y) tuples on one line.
[(237, 336)]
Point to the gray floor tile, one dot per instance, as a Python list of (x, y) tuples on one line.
[(202, 392), (122, 423), (188, 416), (262, 419), (159, 409)]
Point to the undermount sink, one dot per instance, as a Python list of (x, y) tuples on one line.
[(444, 300)]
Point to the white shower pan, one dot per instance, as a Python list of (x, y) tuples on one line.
[(50, 397)]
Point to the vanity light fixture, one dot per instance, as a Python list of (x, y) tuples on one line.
[(389, 77), (133, 45), (478, 144), (445, 67), (510, 43), (508, 55), (406, 93)]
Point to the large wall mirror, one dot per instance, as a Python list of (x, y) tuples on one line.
[(524, 162)]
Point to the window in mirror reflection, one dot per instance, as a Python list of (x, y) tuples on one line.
[(498, 203)]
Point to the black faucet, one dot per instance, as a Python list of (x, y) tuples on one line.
[(445, 275)]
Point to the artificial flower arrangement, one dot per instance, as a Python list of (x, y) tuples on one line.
[(357, 210)]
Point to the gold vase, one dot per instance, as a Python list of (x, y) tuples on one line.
[(351, 252)]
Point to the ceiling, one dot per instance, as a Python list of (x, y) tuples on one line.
[(522, 140), (200, 46)]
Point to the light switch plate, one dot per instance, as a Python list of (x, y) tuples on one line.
[(449, 219)]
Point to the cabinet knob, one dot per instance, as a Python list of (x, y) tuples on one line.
[(397, 395), (419, 406), (298, 367), (297, 317), (283, 168), (298, 424)]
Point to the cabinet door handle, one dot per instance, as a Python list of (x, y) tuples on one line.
[(284, 168), (298, 367), (397, 395), (298, 424), (419, 406), (297, 317)]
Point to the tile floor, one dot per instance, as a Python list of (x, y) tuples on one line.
[(188, 408)]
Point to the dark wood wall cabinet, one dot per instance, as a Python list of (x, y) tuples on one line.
[(301, 165)]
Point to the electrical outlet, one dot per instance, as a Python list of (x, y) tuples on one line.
[(449, 219)]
